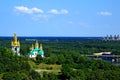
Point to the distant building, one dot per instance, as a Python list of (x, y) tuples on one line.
[(102, 53), (114, 37), (15, 45), (36, 50)]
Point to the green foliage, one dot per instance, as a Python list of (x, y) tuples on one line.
[(66, 71), (63, 52), (24, 50), (112, 75), (35, 75), (50, 76), (15, 76), (13, 67), (39, 59), (48, 52), (78, 46)]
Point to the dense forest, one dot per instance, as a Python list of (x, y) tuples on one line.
[(56, 45), (66, 53), (13, 67)]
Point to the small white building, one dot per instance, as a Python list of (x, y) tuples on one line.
[(36, 50), (15, 45)]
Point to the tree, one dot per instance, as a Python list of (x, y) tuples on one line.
[(48, 52), (61, 59), (34, 75), (39, 59), (66, 71), (15, 67), (79, 75), (15, 76), (23, 50)]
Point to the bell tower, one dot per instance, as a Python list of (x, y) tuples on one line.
[(15, 45)]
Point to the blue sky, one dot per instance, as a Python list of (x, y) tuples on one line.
[(81, 18)]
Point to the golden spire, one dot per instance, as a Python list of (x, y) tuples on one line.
[(15, 42), (41, 46), (12, 43), (15, 37), (18, 43), (32, 47), (36, 44)]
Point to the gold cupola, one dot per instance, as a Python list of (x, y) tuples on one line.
[(32, 47), (15, 42), (41, 47), (36, 44)]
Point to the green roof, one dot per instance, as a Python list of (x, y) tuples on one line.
[(39, 52)]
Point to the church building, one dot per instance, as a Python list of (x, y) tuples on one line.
[(36, 50), (15, 45)]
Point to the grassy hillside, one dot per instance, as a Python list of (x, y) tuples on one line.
[(42, 67)]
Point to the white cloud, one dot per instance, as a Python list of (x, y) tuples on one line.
[(27, 10), (55, 11), (104, 13), (37, 14), (37, 10)]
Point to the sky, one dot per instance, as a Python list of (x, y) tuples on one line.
[(62, 18)]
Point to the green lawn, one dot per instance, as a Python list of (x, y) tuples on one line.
[(49, 68)]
